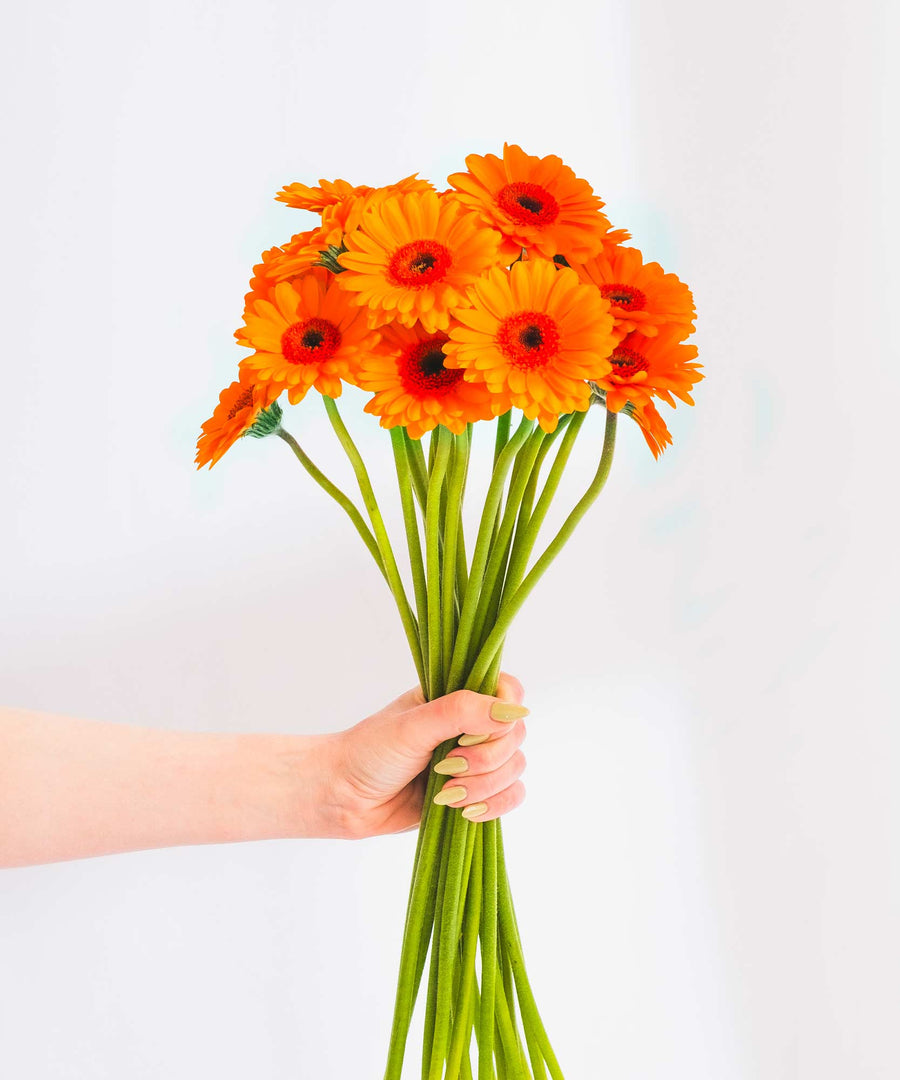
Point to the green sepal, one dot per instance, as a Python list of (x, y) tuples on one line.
[(329, 258), (268, 422)]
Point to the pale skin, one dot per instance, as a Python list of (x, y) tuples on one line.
[(71, 789)]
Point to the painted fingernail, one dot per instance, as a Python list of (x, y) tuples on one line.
[(475, 811), (449, 795), (471, 740), (506, 713), (452, 766)]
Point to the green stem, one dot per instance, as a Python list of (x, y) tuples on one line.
[(535, 1033), (463, 1015), (527, 534), (494, 573), (413, 540), (416, 456), (384, 544), (419, 919), (335, 492), (504, 423), (448, 943), (451, 537), (441, 439), (512, 605), (480, 556), (437, 973), (488, 953)]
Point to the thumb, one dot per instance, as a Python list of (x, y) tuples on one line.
[(461, 713)]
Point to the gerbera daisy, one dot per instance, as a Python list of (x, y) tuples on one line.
[(535, 203), (646, 367), (414, 389), (534, 333), (643, 296), (282, 263), (306, 335), (413, 256), (342, 206), (653, 428), (238, 410)]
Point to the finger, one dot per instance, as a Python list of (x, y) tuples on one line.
[(423, 728), (473, 760), (469, 790), (510, 689), (498, 804)]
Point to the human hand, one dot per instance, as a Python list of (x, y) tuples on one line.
[(378, 768)]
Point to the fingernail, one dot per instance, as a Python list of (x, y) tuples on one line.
[(506, 713), (476, 810), (451, 766), (449, 795), (471, 740)]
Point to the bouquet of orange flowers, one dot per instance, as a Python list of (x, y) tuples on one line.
[(509, 292)]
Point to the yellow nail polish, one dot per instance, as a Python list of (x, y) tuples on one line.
[(471, 740), (506, 712), (476, 810), (449, 795), (452, 766)]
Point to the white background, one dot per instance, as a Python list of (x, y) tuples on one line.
[(706, 867)]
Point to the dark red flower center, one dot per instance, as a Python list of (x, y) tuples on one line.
[(624, 296), (421, 368), (243, 401), (529, 204), (528, 339), (627, 362), (310, 341), (419, 264)]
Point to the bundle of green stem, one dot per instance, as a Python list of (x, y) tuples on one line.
[(460, 909)]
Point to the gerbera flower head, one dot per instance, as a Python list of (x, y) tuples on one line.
[(306, 335), (240, 407), (643, 297), (282, 263), (534, 335), (646, 367), (413, 387), (413, 257), (653, 427), (535, 203), (342, 206)]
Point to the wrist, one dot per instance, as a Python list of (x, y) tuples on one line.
[(296, 777)]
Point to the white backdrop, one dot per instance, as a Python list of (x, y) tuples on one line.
[(706, 867)]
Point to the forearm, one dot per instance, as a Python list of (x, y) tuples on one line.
[(74, 788)]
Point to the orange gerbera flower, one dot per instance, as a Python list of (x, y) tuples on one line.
[(342, 206), (413, 256), (534, 334), (653, 427), (278, 264), (239, 407), (535, 203), (412, 386), (646, 367), (643, 296), (306, 335)]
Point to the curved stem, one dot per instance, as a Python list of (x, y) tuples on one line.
[(530, 529), (413, 541), (335, 492), (512, 605), (384, 544)]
